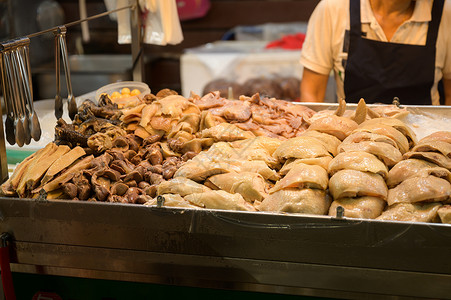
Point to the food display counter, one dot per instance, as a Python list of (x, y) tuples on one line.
[(296, 254)]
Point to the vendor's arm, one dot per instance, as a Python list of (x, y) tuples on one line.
[(313, 86), (447, 88)]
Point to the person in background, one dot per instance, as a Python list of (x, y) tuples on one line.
[(379, 49)]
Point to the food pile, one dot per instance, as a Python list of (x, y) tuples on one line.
[(251, 154)]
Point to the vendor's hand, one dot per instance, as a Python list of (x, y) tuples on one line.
[(313, 86)]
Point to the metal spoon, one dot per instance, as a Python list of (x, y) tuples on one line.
[(72, 105), (58, 99), (9, 123)]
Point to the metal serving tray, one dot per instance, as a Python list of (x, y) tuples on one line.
[(277, 253)]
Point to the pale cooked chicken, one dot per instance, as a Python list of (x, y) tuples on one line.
[(304, 201), (226, 132), (300, 147), (220, 200), (434, 157), (411, 212), (360, 136), (444, 213), (181, 186), (361, 207), (339, 127), (434, 146), (443, 136), (358, 160), (401, 141), (329, 141), (398, 125), (385, 152), (261, 142), (418, 189), (172, 200), (352, 183), (415, 167), (252, 186), (303, 176), (323, 162)]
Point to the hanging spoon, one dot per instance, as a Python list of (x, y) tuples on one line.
[(72, 105), (9, 122)]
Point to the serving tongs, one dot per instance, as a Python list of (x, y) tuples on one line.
[(17, 91), (61, 49)]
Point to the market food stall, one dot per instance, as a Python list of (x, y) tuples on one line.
[(252, 194)]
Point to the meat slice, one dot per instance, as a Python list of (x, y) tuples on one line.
[(414, 168), (398, 125), (304, 201), (401, 141), (323, 162), (182, 186), (360, 161), (352, 183), (385, 152), (417, 189), (443, 136), (63, 162), (303, 176), (360, 207), (300, 147), (444, 213), (8, 188), (434, 146), (226, 132), (411, 212), (339, 127), (219, 200), (252, 186), (434, 157), (329, 141), (360, 136)]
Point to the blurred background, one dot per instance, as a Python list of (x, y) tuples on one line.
[(224, 40)]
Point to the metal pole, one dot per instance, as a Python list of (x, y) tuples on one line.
[(136, 31)]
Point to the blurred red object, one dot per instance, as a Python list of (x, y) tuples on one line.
[(289, 41), (192, 9)]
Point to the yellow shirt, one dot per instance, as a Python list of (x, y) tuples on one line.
[(325, 47)]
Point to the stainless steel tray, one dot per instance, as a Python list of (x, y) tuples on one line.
[(293, 254), (290, 254)]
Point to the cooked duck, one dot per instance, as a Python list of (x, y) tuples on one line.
[(252, 186), (303, 176), (300, 147), (339, 127), (352, 183), (329, 141), (358, 160), (444, 213), (219, 200), (414, 168), (411, 212), (172, 200), (360, 207), (182, 186), (293, 200), (385, 152), (417, 189)]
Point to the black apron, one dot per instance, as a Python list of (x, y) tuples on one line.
[(379, 71)]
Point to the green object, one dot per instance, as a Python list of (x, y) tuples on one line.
[(17, 156)]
